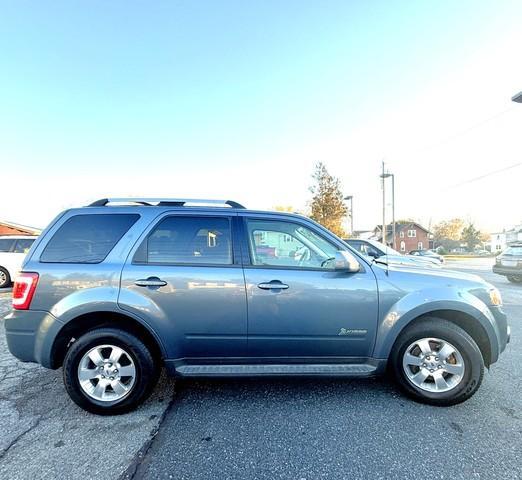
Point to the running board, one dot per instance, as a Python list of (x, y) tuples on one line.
[(345, 370)]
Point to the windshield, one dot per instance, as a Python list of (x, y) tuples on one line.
[(384, 248)]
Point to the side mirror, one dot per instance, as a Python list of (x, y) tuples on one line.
[(346, 262)]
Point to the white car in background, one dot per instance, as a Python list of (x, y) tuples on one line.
[(374, 249), (13, 249)]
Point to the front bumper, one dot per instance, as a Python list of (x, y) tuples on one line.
[(30, 335), (503, 329)]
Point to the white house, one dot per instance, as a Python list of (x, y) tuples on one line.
[(499, 241)]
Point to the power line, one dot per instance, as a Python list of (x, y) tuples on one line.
[(471, 180), (465, 131)]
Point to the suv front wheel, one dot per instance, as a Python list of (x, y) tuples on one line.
[(109, 371), (437, 362)]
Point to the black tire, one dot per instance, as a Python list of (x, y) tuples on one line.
[(432, 327), (7, 281), (515, 278), (147, 371)]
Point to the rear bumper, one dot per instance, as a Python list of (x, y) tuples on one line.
[(30, 335), (507, 271)]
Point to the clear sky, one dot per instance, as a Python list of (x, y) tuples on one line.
[(235, 99)]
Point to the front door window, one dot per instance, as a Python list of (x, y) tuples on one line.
[(287, 244)]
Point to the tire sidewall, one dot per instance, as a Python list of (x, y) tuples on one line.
[(7, 278), (473, 363), (139, 354)]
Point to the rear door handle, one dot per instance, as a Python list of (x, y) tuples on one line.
[(150, 282), (273, 285)]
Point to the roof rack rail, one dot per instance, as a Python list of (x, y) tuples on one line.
[(167, 202)]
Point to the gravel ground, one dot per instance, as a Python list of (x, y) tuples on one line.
[(267, 429)]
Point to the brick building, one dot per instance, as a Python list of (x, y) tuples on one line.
[(9, 228), (408, 236)]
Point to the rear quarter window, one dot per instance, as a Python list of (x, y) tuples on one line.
[(23, 245), (516, 250), (87, 238)]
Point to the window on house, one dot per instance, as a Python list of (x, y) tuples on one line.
[(419, 246), (412, 233), (403, 247), (401, 234)]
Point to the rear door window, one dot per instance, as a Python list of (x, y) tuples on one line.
[(6, 244), (188, 240), (87, 238)]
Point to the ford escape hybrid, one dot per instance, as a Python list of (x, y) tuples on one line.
[(117, 290)]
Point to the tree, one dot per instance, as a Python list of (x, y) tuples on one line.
[(450, 229), (471, 236), (328, 206), (448, 233), (284, 208)]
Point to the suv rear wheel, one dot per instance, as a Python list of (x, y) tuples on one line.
[(515, 278), (437, 362), (109, 371)]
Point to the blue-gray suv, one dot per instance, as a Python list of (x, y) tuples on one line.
[(116, 291)]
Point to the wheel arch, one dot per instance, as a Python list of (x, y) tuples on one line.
[(467, 322), (9, 273), (467, 312), (83, 323)]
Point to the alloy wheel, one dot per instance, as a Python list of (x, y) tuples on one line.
[(106, 373), (433, 365)]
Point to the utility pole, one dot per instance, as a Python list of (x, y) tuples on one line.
[(393, 211), (384, 176), (383, 207), (350, 197)]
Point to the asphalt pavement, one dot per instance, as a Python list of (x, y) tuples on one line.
[(43, 434), (269, 429)]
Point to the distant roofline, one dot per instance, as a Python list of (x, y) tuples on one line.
[(399, 226), (19, 226)]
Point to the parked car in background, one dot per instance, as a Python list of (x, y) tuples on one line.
[(13, 249), (375, 249), (427, 254), (116, 291), (509, 263)]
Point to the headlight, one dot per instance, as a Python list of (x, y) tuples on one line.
[(495, 297)]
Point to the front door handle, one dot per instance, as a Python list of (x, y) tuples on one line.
[(150, 282), (273, 285)]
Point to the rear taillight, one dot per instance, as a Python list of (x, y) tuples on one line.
[(23, 290)]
